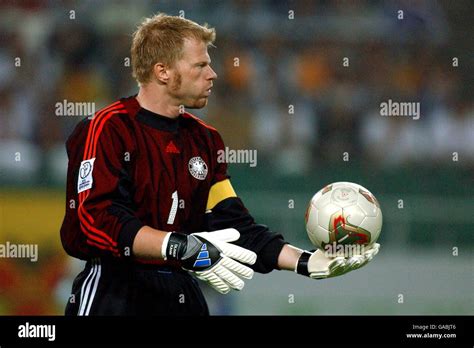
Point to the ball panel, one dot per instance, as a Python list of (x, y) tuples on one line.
[(344, 196), (322, 237), (354, 215), (319, 201), (369, 208), (325, 214), (373, 224), (325, 223), (345, 233), (312, 223)]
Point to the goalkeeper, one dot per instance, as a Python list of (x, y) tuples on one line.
[(148, 204)]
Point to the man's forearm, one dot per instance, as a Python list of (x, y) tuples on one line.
[(148, 242), (288, 257)]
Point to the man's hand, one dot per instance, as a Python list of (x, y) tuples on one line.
[(319, 266), (211, 257)]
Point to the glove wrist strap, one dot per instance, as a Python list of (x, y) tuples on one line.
[(176, 246), (302, 265)]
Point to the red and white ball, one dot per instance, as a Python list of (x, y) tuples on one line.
[(343, 213)]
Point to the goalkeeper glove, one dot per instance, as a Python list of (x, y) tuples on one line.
[(319, 266), (210, 257)]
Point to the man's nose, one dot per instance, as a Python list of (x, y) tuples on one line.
[(213, 75)]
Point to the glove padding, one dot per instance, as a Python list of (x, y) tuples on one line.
[(211, 258), (319, 266)]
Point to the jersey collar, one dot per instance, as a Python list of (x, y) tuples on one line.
[(150, 118), (157, 121)]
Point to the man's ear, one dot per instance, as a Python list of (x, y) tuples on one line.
[(161, 73)]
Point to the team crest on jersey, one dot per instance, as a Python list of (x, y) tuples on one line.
[(84, 182), (198, 168)]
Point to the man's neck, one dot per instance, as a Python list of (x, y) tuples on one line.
[(163, 105)]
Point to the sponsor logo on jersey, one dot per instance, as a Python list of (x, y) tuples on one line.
[(197, 168), (171, 148)]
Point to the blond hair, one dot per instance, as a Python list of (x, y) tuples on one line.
[(160, 39)]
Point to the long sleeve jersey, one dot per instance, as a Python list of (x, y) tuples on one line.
[(129, 167)]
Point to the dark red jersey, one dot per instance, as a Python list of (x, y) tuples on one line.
[(129, 167)]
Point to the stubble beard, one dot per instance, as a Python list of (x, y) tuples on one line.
[(176, 83), (175, 87)]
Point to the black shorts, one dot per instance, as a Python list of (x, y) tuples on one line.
[(114, 287)]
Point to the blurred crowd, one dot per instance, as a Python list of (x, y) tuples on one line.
[(301, 81)]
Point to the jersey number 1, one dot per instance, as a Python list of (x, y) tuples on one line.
[(174, 208)]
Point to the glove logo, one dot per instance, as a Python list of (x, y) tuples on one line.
[(203, 259)]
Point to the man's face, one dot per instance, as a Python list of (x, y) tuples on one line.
[(192, 75)]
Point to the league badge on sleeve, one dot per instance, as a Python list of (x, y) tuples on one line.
[(84, 181)]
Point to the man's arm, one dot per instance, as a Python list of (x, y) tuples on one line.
[(102, 221), (317, 265), (208, 255), (288, 258), (226, 210), (148, 243)]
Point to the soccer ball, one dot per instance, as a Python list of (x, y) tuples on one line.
[(343, 213)]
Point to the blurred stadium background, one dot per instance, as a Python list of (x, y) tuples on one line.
[(281, 62)]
